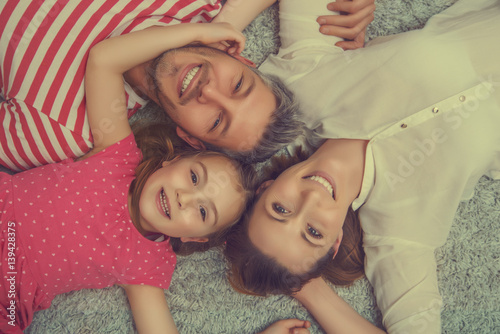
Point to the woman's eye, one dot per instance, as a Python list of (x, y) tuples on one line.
[(216, 123), (279, 209), (194, 178), (203, 213), (314, 233)]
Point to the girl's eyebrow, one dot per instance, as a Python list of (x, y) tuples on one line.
[(204, 170)]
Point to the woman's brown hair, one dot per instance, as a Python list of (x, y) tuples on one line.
[(252, 272), (158, 144)]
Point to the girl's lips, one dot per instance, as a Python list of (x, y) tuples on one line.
[(163, 205), (182, 76)]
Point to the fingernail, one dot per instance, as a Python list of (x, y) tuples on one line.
[(323, 30), (321, 21)]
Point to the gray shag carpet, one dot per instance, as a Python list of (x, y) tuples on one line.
[(201, 300)]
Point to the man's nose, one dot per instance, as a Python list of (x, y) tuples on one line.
[(212, 94)]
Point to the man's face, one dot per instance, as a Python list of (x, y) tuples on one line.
[(213, 97)]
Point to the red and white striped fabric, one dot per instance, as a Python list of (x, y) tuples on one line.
[(43, 51)]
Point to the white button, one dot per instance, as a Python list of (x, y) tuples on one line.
[(404, 126), (435, 110), (462, 98)]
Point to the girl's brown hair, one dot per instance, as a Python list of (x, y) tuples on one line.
[(253, 272), (158, 144)]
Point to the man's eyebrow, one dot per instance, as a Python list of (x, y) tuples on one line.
[(250, 87)]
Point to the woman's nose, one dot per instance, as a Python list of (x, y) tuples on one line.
[(314, 203)]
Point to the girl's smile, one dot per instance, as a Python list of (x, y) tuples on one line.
[(192, 196)]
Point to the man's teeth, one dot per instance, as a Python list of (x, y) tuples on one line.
[(189, 76), (323, 182), (163, 201)]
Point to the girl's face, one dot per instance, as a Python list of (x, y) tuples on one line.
[(299, 216), (191, 197)]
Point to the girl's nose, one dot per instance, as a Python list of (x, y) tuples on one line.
[(184, 199)]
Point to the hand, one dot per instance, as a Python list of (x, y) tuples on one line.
[(288, 326), (223, 37), (355, 16)]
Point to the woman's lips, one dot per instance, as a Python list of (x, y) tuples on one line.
[(324, 180)]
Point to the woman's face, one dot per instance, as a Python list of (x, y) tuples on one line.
[(299, 216)]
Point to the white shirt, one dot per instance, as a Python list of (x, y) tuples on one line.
[(428, 101)]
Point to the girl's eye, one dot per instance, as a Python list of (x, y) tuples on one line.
[(194, 178), (279, 209), (314, 233), (203, 213)]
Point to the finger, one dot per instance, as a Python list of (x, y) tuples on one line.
[(346, 32), (291, 323), (350, 20), (300, 331), (357, 43), (348, 6)]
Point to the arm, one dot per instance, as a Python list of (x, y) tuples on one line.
[(332, 312), (109, 59), (352, 25), (150, 309), (239, 13)]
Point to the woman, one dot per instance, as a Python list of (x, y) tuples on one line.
[(405, 177)]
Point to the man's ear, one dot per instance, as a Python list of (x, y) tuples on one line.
[(336, 245), (194, 239), (192, 141), (245, 60), (263, 186)]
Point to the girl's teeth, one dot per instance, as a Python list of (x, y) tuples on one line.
[(163, 203), (189, 77), (323, 182)]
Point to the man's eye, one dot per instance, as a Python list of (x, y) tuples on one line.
[(314, 233), (203, 213), (279, 209), (238, 85), (194, 178)]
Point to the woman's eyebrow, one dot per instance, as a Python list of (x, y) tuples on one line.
[(303, 235), (270, 216)]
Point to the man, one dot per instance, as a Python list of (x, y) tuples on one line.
[(44, 46)]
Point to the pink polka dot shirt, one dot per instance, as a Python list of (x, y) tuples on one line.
[(73, 231)]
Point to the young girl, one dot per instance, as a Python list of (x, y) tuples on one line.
[(95, 222)]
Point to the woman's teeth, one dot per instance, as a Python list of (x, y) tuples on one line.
[(323, 182), (163, 202), (189, 76)]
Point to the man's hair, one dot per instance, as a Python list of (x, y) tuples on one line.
[(285, 125)]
